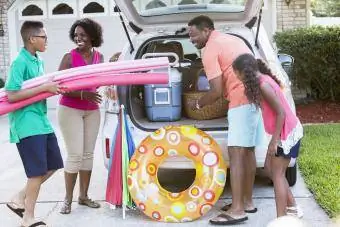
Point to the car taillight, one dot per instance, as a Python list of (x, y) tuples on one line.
[(107, 147), (111, 100)]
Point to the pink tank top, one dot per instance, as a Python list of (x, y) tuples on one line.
[(269, 116), (78, 61)]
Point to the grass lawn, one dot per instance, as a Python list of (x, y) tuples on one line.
[(319, 163)]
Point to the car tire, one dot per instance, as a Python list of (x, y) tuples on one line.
[(291, 175)]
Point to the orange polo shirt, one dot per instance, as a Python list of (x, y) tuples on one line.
[(218, 56)]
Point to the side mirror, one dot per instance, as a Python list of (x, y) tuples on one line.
[(287, 63)]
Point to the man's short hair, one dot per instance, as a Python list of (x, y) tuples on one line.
[(202, 22), (29, 29)]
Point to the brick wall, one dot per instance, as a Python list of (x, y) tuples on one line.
[(293, 15), (4, 48)]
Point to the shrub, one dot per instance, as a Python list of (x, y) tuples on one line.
[(317, 59), (329, 8)]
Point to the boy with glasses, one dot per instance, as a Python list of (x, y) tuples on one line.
[(29, 127)]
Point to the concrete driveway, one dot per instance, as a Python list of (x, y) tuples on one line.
[(12, 178)]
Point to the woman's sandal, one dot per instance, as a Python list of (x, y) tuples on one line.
[(66, 208), (226, 219), (39, 223), (88, 202), (228, 206)]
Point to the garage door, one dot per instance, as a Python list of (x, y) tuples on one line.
[(58, 17)]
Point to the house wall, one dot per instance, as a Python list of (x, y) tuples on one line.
[(293, 15), (4, 47)]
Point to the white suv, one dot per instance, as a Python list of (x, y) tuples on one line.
[(168, 23)]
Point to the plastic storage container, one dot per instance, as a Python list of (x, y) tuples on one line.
[(163, 102)]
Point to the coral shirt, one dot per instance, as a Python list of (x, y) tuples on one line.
[(218, 56), (78, 61)]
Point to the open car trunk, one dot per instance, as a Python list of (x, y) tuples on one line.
[(142, 101), (189, 67)]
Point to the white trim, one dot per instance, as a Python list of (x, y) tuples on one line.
[(308, 13), (110, 8), (40, 3), (265, 4), (12, 29), (53, 3), (92, 14), (83, 3), (274, 17)]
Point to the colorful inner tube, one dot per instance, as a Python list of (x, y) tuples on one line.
[(195, 201)]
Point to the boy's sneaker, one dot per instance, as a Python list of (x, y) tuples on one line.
[(295, 211)]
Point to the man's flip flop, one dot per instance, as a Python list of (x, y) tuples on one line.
[(228, 220), (39, 223), (227, 207), (17, 211)]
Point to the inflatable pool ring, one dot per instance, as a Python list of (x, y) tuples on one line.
[(162, 205)]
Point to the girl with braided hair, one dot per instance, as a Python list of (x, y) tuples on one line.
[(264, 90)]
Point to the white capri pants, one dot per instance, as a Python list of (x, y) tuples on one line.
[(80, 130)]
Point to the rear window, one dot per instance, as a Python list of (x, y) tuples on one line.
[(166, 7)]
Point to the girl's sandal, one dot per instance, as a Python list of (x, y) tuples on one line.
[(88, 202), (295, 211), (66, 208)]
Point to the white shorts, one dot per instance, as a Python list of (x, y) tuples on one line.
[(246, 127)]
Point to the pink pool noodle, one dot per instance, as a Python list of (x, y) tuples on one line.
[(119, 67), (101, 67), (96, 81), (89, 74), (84, 74)]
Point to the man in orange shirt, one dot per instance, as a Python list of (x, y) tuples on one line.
[(245, 122)]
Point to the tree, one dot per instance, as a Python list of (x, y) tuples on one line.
[(326, 8)]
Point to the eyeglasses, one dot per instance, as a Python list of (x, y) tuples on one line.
[(41, 36)]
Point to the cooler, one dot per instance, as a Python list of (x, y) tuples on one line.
[(163, 102)]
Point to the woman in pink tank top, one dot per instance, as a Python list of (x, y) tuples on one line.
[(78, 114), (263, 89)]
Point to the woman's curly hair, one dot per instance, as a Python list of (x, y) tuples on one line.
[(249, 66), (92, 29)]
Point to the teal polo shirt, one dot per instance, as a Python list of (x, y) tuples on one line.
[(32, 119)]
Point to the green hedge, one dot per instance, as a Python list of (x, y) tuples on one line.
[(317, 59)]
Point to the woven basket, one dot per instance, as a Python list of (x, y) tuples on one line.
[(215, 110)]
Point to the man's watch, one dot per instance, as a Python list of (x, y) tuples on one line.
[(197, 105)]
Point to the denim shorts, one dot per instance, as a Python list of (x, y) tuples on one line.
[(246, 127), (40, 154), (293, 153)]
